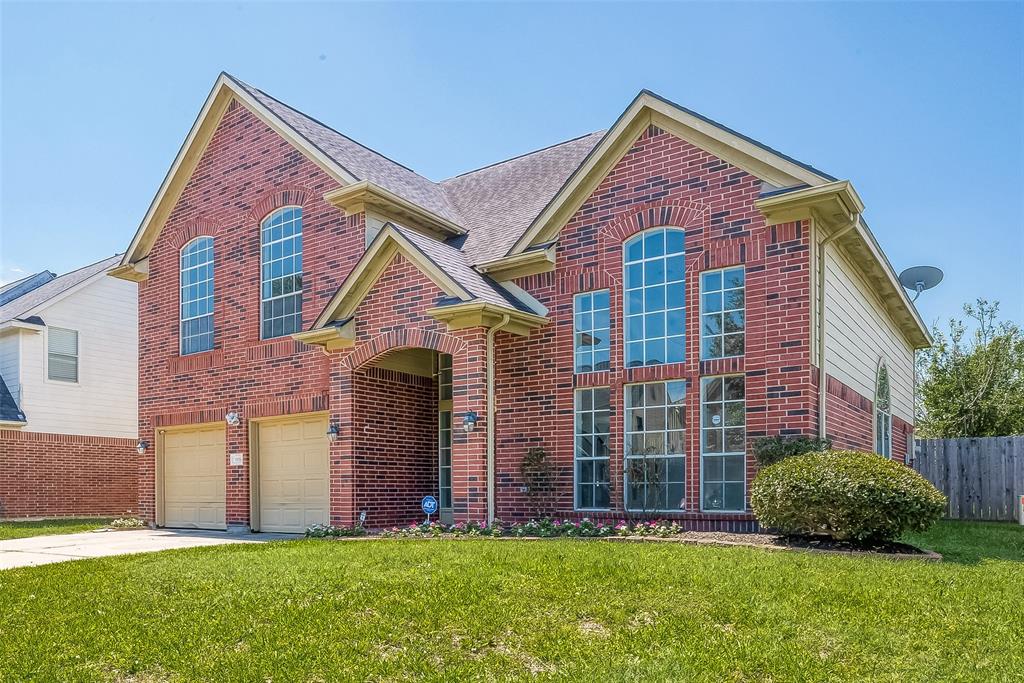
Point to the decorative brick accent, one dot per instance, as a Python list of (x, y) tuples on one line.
[(405, 338), (179, 365), (63, 475)]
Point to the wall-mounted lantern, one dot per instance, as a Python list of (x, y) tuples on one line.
[(469, 421), (332, 432), (141, 447), (232, 419)]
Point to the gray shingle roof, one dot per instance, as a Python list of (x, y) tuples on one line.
[(9, 410), (17, 308), (12, 290)]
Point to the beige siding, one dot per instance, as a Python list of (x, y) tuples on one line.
[(104, 402), (859, 333), (9, 366)]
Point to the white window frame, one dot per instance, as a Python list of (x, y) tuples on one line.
[(297, 294), (576, 459), (882, 415), (181, 294), (592, 330), (723, 311), (627, 432), (680, 310), (78, 357), (723, 426), (445, 434)]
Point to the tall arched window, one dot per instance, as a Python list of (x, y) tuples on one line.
[(883, 413), (196, 283), (655, 300), (281, 277)]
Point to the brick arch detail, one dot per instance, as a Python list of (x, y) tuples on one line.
[(675, 212), (406, 338), (193, 229), (275, 199)]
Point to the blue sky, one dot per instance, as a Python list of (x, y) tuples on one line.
[(920, 104)]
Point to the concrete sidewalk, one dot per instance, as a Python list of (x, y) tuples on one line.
[(27, 552)]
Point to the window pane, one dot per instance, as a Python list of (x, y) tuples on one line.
[(591, 447), (655, 446), (592, 330), (651, 260), (723, 443), (281, 283)]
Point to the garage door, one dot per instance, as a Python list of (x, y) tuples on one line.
[(193, 478), (293, 474)]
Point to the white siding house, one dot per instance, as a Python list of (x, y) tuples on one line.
[(69, 353)]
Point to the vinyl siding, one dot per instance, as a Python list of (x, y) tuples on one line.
[(104, 402), (9, 366), (859, 333)]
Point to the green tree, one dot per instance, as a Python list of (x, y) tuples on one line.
[(972, 384)]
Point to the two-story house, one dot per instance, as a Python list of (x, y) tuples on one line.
[(68, 394), (327, 335)]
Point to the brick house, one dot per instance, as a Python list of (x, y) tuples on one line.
[(325, 333)]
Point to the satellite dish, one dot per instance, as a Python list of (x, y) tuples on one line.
[(920, 278)]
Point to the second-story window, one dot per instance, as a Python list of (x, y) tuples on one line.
[(281, 277), (196, 283), (655, 301), (592, 331), (723, 314)]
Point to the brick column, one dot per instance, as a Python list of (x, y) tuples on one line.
[(469, 451), (342, 452), (236, 479)]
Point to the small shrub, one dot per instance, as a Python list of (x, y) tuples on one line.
[(769, 450), (127, 523), (331, 531), (848, 495)]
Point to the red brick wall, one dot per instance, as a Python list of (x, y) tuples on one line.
[(662, 180), (60, 475), (850, 423)]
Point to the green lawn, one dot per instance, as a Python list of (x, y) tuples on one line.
[(566, 609), (47, 527)]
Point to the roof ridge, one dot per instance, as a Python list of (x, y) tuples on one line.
[(524, 154), (90, 265)]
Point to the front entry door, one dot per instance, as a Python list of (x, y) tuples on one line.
[(444, 437)]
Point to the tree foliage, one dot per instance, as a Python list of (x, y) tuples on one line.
[(972, 383)]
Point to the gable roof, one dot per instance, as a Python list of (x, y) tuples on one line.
[(9, 409), (31, 300)]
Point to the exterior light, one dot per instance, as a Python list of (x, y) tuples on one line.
[(141, 446), (469, 421), (332, 432), (232, 419)]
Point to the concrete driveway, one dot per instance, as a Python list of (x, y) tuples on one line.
[(27, 552)]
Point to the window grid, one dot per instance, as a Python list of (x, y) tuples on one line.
[(723, 444), (62, 354), (444, 377), (593, 417), (281, 277), (592, 331), (444, 430), (883, 413), (723, 313), (196, 284), (655, 298), (655, 459)]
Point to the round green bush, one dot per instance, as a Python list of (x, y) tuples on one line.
[(847, 495)]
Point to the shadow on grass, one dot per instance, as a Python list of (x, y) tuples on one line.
[(972, 542)]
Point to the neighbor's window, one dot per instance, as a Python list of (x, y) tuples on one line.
[(723, 444), (723, 318), (591, 436), (655, 302), (592, 331), (883, 413), (281, 280), (62, 354), (655, 446), (196, 283)]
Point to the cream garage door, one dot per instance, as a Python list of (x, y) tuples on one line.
[(293, 473), (193, 478)]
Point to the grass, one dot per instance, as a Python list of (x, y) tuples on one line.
[(560, 609), (48, 527)]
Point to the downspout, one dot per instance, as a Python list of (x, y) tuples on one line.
[(491, 467), (822, 383)]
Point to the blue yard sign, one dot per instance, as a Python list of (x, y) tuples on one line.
[(429, 505)]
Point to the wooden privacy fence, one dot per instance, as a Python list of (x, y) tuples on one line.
[(983, 478)]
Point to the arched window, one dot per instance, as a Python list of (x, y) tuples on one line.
[(196, 283), (883, 413), (281, 276), (655, 300)]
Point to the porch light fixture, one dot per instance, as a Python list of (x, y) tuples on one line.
[(141, 447), (232, 419), (332, 432), (469, 421)]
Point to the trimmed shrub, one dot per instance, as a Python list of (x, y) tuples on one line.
[(769, 450), (847, 495)]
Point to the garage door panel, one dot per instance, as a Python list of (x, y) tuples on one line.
[(294, 474), (193, 478)]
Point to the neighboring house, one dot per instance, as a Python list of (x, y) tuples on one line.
[(68, 393), (325, 333)]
